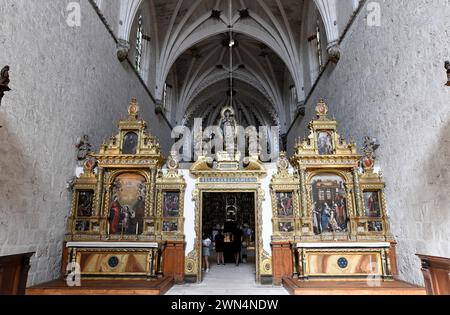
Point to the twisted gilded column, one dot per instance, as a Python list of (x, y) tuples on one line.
[(358, 195)]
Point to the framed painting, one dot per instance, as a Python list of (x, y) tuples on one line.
[(286, 227), (127, 205), (150, 227), (171, 204), (85, 200), (170, 226), (329, 202), (130, 143), (285, 204), (372, 204), (82, 226), (325, 143), (375, 226)]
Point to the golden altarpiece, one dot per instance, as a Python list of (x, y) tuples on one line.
[(127, 215), (329, 217)]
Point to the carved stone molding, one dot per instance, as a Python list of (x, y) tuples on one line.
[(334, 53), (123, 48)]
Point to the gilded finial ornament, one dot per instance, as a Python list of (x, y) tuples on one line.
[(172, 161), (283, 162), (133, 109), (321, 109)]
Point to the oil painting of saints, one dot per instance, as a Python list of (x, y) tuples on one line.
[(285, 204), (171, 204), (130, 142), (325, 143), (329, 204), (84, 204), (286, 227), (127, 208), (372, 204)]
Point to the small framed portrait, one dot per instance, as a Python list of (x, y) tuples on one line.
[(285, 204), (170, 226), (372, 204), (286, 227), (130, 143), (150, 227), (85, 199), (375, 226), (82, 226), (325, 143), (95, 227), (171, 204)]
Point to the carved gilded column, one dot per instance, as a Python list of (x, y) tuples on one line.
[(357, 189), (304, 201), (100, 178), (153, 192)]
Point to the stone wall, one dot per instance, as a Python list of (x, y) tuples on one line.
[(389, 84), (66, 82)]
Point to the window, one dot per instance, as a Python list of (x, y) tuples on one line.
[(139, 46), (319, 45), (165, 96)]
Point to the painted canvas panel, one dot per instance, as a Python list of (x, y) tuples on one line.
[(127, 207), (330, 212), (130, 143), (82, 226), (85, 201), (170, 226), (285, 204), (171, 204), (325, 143), (285, 227), (372, 204), (375, 226)]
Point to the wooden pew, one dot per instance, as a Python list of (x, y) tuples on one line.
[(436, 272), (14, 274)]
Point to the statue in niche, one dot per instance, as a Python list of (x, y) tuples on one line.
[(4, 81), (447, 67), (84, 148), (228, 126)]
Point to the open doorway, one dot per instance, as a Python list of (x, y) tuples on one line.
[(229, 221)]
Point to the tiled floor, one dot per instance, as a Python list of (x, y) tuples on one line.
[(228, 280)]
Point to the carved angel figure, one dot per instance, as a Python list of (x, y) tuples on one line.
[(4, 81), (447, 67), (84, 148), (370, 146)]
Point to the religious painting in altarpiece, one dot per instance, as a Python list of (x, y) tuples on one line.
[(124, 208), (341, 196), (331, 208)]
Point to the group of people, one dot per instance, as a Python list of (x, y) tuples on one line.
[(239, 236), (330, 219), (124, 220)]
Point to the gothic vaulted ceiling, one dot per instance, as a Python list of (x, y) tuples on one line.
[(190, 39)]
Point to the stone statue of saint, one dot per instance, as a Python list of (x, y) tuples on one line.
[(84, 148), (228, 125), (4, 81)]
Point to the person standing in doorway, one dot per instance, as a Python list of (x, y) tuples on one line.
[(206, 244), (219, 241), (237, 244)]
